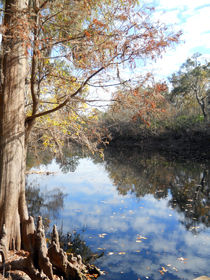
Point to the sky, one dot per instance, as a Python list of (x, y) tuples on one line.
[(193, 18)]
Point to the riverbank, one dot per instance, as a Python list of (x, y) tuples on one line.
[(192, 144)]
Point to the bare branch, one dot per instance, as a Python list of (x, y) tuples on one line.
[(108, 85)]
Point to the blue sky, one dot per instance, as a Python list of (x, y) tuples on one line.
[(193, 18)]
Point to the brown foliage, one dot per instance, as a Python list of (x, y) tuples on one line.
[(145, 103)]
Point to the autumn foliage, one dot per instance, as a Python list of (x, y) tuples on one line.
[(145, 104), (72, 42), (74, 46)]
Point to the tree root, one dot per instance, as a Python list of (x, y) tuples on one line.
[(3, 251), (41, 251), (43, 263), (70, 269)]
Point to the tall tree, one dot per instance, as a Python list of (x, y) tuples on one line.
[(12, 116), (89, 37), (190, 84)]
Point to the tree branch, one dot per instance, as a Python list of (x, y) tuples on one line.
[(108, 85), (32, 117)]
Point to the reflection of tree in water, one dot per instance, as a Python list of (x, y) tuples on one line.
[(137, 173), (47, 204), (191, 195), (74, 243), (68, 160), (37, 156), (132, 171), (188, 183)]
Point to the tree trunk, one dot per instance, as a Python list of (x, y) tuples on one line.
[(17, 230), (12, 122), (208, 106)]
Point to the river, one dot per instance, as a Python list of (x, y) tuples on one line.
[(135, 216)]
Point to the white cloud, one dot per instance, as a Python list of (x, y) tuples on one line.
[(192, 17), (180, 4)]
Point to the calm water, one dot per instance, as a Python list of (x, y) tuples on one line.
[(145, 217)]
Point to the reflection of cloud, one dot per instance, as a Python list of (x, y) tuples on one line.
[(78, 180), (199, 244), (161, 245), (96, 205), (165, 253)]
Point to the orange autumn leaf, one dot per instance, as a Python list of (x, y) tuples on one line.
[(99, 23), (87, 34), (153, 105), (135, 93)]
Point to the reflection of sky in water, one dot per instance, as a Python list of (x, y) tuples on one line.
[(93, 203)]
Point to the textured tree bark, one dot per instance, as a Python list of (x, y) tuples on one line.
[(12, 123), (43, 263), (208, 106)]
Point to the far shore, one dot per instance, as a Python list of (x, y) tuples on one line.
[(193, 145)]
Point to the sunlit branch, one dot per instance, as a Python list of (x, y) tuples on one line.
[(109, 85), (93, 100), (67, 99), (33, 69), (50, 17), (63, 41)]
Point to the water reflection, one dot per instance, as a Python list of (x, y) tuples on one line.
[(67, 160), (73, 243), (140, 213), (47, 204), (187, 182)]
